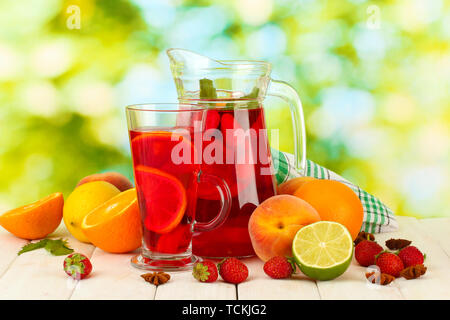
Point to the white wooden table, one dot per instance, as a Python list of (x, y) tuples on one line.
[(38, 275)]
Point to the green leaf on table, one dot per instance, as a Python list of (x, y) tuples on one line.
[(57, 247), (33, 246)]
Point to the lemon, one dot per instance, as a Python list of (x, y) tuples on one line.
[(83, 200), (323, 250)]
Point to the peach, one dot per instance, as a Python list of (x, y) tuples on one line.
[(290, 186), (274, 223), (118, 180)]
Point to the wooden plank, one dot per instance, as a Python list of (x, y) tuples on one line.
[(39, 275), (183, 286), (435, 284), (260, 287), (10, 245), (354, 285), (439, 230), (113, 278)]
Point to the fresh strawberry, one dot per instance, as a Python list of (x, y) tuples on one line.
[(205, 271), (212, 119), (365, 252), (279, 267), (77, 266), (389, 263), (411, 256), (232, 270)]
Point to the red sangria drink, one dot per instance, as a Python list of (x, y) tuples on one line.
[(245, 164), (166, 191), (168, 176)]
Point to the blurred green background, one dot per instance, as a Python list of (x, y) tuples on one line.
[(374, 78)]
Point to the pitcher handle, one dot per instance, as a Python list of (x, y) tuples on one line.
[(225, 199), (286, 92)]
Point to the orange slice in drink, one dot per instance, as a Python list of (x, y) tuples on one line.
[(162, 197), (36, 220), (115, 225), (166, 150)]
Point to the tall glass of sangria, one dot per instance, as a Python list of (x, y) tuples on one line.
[(166, 145)]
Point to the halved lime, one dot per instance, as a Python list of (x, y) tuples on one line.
[(323, 250)]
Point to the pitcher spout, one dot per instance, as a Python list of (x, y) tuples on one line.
[(189, 60), (228, 78)]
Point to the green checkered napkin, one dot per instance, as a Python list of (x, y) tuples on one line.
[(377, 216)]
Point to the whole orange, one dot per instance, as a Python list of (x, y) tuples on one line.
[(334, 201), (290, 186)]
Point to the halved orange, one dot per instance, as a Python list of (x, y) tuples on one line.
[(162, 197), (36, 220), (115, 225)]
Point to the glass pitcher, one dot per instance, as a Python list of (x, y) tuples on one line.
[(235, 143)]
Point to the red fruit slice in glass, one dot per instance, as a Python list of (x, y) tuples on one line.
[(163, 197), (212, 120), (229, 125), (237, 163), (154, 149), (243, 142), (176, 241), (237, 175)]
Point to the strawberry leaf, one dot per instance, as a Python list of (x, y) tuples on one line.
[(200, 272), (293, 264), (74, 265)]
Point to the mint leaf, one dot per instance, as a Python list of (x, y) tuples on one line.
[(55, 247), (252, 95), (33, 246), (58, 247), (207, 90)]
